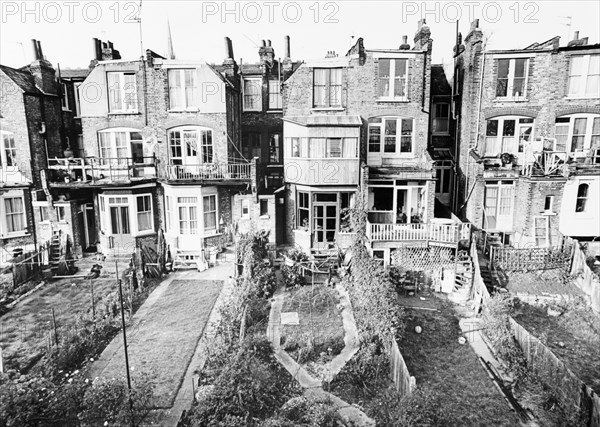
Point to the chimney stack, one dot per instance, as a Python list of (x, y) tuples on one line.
[(286, 63), (577, 41), (286, 41), (36, 52), (404, 45), (231, 68), (423, 36), (266, 54), (42, 70)]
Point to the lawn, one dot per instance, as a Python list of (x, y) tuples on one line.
[(319, 337), (25, 329), (553, 282), (573, 336), (164, 342), (440, 363)]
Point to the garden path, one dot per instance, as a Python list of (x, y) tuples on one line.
[(313, 387)]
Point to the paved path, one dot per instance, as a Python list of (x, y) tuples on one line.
[(313, 387), (172, 324)]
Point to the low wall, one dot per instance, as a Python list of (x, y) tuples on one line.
[(569, 389)]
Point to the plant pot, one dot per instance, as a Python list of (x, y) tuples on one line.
[(68, 153)]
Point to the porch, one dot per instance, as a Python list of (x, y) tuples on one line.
[(431, 232)]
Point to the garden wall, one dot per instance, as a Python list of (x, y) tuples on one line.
[(584, 278), (399, 372), (569, 389)]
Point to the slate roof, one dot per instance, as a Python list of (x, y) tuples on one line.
[(439, 82), (325, 120), (74, 73), (23, 79)]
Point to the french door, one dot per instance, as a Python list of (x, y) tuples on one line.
[(325, 224)]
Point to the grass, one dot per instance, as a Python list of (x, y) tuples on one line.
[(573, 336), (164, 342), (553, 282), (25, 329), (463, 389), (320, 328)]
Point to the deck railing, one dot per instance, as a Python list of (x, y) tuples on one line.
[(206, 171), (92, 169), (442, 233)]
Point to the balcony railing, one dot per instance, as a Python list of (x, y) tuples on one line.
[(439, 233), (547, 163), (95, 170), (206, 172)]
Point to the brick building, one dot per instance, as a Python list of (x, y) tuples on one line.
[(361, 120), (529, 138), (32, 129)]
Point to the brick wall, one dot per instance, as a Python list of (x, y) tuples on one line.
[(254, 221)]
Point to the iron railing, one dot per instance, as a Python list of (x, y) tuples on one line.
[(93, 169)]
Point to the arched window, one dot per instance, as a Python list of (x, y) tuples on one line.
[(577, 133), (190, 145), (507, 134), (582, 196)]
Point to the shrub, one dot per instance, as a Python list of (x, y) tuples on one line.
[(363, 374), (293, 275), (264, 280)]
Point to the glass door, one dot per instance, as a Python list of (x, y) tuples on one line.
[(325, 224)]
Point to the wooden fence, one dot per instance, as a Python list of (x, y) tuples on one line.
[(27, 266), (404, 382), (569, 389), (530, 259), (479, 292), (584, 278)]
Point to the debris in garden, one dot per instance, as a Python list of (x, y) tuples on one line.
[(418, 329)]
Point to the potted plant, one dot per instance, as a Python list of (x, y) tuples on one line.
[(507, 159)]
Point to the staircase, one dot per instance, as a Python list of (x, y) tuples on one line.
[(463, 278)]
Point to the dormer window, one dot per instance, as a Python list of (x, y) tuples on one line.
[(512, 78), (393, 81)]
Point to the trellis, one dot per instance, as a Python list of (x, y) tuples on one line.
[(428, 259), (530, 259)]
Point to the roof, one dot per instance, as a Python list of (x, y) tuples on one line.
[(74, 73), (439, 82), (23, 79), (325, 120)]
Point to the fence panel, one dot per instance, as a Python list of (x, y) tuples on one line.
[(530, 259), (585, 278), (399, 372), (25, 267)]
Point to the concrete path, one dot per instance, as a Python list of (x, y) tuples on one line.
[(313, 387), (181, 395)]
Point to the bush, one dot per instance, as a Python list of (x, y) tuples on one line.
[(293, 275), (300, 411), (264, 280)]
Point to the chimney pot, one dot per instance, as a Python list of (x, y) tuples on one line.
[(264, 44), (36, 54), (40, 52), (287, 46), (576, 35), (269, 43), (404, 39)]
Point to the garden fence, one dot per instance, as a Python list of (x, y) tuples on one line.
[(27, 266), (530, 259), (584, 278), (570, 390), (399, 372), (479, 292)]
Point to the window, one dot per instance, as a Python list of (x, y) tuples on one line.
[(43, 213), (397, 135), (507, 135), (77, 101), (327, 87), (264, 207), (210, 213), (245, 208), (393, 82), (584, 76), (334, 147), (251, 145), (582, 196), (168, 213), (122, 92), (188, 215), (275, 102), (119, 145), (190, 146), (61, 213), (144, 213), (303, 210), (8, 154), (253, 94), (14, 209), (182, 89), (295, 147), (119, 215), (441, 118), (512, 78), (379, 256), (549, 204), (541, 231), (274, 148), (65, 97), (443, 177), (577, 133), (499, 201)]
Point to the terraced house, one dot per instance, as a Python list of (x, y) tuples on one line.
[(161, 153), (529, 139), (363, 120)]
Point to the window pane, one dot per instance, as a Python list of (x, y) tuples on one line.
[(384, 77), (400, 77), (502, 84), (320, 81), (374, 139), (579, 126), (492, 128), (390, 136), (334, 147), (335, 88), (190, 88), (406, 139)]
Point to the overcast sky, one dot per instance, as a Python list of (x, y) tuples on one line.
[(66, 28)]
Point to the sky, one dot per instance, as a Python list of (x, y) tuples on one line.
[(66, 28)]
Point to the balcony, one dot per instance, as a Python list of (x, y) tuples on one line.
[(330, 171), (84, 171), (546, 163), (447, 234), (207, 172)]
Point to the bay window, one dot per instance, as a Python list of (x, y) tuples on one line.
[(584, 76), (512, 78), (122, 92), (393, 81), (397, 135), (182, 89), (327, 87), (127, 214)]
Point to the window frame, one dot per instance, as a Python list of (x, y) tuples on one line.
[(303, 205), (583, 75), (437, 118), (245, 208), (511, 79), (264, 207), (204, 150), (183, 103), (64, 101), (588, 136), (187, 205), (257, 81), (546, 228), (149, 212), (8, 137), (331, 100), (215, 212), (275, 96), (400, 120), (581, 200), (125, 91), (391, 80), (61, 213), (24, 230), (520, 122)]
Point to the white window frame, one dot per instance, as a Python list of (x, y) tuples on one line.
[(61, 213), (76, 86), (398, 143), (186, 157), (168, 213), (64, 101), (329, 89), (187, 99), (215, 229), (585, 198), (392, 80), (502, 146), (275, 97), (587, 141), (256, 84), (444, 167), (146, 212), (118, 154), (126, 92), (511, 80), (500, 188), (10, 138), (584, 74), (546, 227), (440, 119), (18, 194), (550, 209), (108, 201), (188, 205), (245, 208)]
